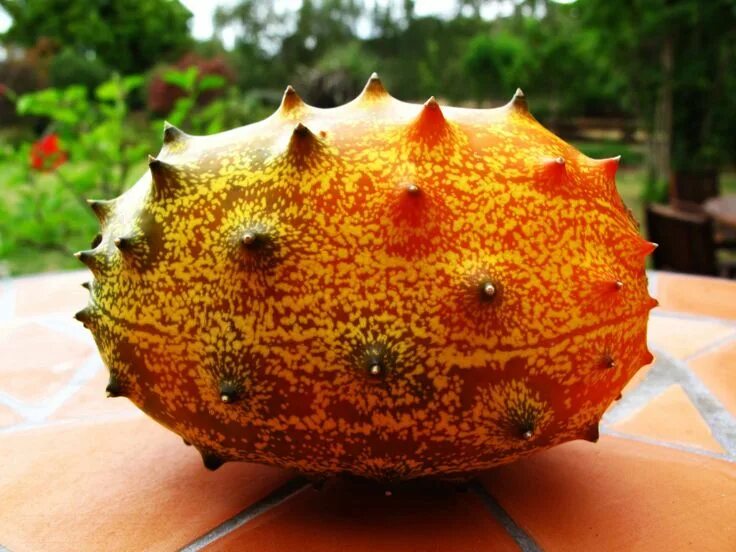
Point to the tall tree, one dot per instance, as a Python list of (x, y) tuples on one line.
[(675, 54)]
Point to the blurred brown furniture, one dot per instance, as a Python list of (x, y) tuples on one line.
[(722, 209), (694, 186), (685, 240)]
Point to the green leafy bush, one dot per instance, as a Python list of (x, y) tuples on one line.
[(88, 149), (92, 147)]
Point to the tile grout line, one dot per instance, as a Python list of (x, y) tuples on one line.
[(666, 371), (655, 382), (666, 444), (717, 344), (279, 495), (721, 422), (40, 412), (524, 541)]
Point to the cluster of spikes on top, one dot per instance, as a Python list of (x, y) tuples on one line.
[(198, 323)]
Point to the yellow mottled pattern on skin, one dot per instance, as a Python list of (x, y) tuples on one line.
[(387, 289)]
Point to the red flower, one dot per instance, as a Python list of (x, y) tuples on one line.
[(46, 154)]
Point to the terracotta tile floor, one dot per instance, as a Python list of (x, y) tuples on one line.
[(81, 472)]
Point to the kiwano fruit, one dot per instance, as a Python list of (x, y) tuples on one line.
[(384, 289)]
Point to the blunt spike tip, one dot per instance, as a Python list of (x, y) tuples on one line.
[(113, 389), (592, 434), (229, 392), (211, 461), (488, 290), (555, 165), (554, 170), (413, 189)]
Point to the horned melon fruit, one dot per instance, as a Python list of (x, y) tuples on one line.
[(384, 289)]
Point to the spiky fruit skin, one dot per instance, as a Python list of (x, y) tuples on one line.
[(386, 289)]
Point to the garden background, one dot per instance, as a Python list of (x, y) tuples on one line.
[(85, 86)]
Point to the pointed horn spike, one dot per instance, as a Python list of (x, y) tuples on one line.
[(302, 142), (290, 101), (102, 208), (302, 131), (165, 177), (84, 316), (518, 102), (90, 258), (158, 166), (609, 166), (173, 135), (554, 169), (430, 125), (373, 89), (431, 103), (647, 248)]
